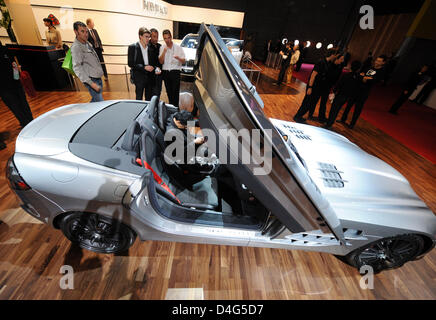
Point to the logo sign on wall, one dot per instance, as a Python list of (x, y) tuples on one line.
[(154, 9)]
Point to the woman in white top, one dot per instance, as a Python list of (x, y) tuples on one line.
[(294, 59)]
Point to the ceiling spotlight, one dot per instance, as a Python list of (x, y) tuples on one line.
[(318, 45), (296, 42), (307, 44), (330, 46)]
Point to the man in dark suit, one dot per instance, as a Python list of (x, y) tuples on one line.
[(303, 53), (143, 62), (95, 40), (428, 88), (155, 46), (286, 54)]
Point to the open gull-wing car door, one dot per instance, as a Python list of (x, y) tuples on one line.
[(231, 108)]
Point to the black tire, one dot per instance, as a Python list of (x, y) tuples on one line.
[(386, 253), (97, 233)]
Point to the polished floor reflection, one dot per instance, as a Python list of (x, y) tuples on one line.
[(32, 254)]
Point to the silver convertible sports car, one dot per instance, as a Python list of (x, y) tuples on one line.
[(100, 173)]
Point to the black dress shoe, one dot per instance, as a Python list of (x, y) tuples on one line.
[(326, 126), (299, 120), (322, 120)]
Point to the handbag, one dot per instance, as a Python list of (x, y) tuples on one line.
[(68, 63), (27, 83)]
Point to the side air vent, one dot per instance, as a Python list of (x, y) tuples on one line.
[(297, 132), (331, 176)]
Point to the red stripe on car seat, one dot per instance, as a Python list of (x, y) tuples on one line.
[(157, 178)]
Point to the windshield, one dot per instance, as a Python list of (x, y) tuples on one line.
[(190, 42)]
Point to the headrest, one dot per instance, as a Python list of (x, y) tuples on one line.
[(133, 129), (162, 115), (153, 106)]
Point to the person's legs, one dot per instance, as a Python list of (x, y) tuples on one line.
[(157, 88), (304, 108), (350, 103), (12, 100), (298, 65), (282, 74), (357, 110), (325, 91), (425, 92), (168, 85), (314, 97), (289, 74), (172, 85), (24, 105), (149, 86), (337, 104), (139, 89), (96, 96), (176, 86), (403, 98), (99, 52)]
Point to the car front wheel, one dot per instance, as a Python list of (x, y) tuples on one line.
[(386, 253), (97, 233)]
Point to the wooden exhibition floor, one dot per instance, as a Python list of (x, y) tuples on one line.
[(31, 253)]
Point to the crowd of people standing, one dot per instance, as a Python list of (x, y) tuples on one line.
[(151, 63), (328, 81)]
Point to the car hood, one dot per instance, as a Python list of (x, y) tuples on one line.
[(348, 177), (50, 133)]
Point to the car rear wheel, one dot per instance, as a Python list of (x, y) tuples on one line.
[(97, 233), (386, 253)]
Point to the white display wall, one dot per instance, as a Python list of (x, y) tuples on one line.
[(118, 21)]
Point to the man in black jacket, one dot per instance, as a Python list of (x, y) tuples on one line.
[(95, 40), (315, 86), (11, 90), (413, 81), (345, 90), (428, 88), (333, 73), (143, 62), (286, 58), (303, 53), (369, 76)]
